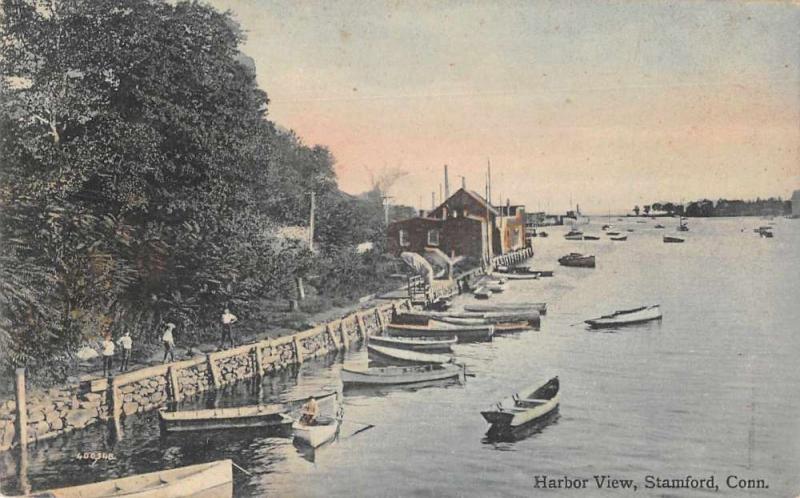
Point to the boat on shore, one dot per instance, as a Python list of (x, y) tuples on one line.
[(422, 345), (439, 329), (386, 376), (540, 308), (393, 356), (627, 317), (672, 240), (205, 480), (527, 406), (577, 260), (621, 238)]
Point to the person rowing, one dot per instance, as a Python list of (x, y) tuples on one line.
[(310, 412)]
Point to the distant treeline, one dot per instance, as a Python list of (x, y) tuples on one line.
[(706, 208), (142, 182)]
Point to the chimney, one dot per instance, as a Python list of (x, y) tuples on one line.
[(446, 184), (464, 182), (421, 213)]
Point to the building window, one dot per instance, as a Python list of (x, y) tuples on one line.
[(403, 237), (433, 237)]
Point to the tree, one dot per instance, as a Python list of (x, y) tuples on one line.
[(646, 210)]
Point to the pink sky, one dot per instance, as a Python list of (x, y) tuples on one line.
[(610, 104)]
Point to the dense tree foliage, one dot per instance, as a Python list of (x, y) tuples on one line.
[(141, 180)]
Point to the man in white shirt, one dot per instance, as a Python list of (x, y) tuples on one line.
[(127, 343), (108, 355), (169, 343), (228, 319)]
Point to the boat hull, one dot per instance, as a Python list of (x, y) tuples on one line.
[(392, 356), (540, 308), (627, 317), (316, 435), (388, 376), (442, 330), (529, 407), (577, 261), (411, 344), (226, 418)]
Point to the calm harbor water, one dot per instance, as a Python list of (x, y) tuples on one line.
[(711, 390)]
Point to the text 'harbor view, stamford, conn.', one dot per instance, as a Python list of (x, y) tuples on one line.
[(311, 248)]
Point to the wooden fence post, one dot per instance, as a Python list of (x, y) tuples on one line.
[(298, 350), (259, 360), (174, 385), (343, 331), (362, 329), (115, 408), (332, 335), (381, 323), (213, 371), (22, 409)]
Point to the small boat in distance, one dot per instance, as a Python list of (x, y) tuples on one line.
[(672, 240), (682, 226), (522, 276), (591, 237), (205, 480), (620, 238), (385, 376), (577, 260), (541, 308), (612, 233), (482, 293), (415, 344), (392, 356), (574, 235), (627, 317), (527, 406), (659, 225)]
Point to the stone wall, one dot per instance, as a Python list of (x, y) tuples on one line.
[(60, 410)]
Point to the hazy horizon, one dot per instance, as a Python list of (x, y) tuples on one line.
[(609, 104)]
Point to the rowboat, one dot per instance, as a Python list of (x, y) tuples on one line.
[(205, 480), (471, 317), (242, 417), (621, 238), (591, 237), (541, 273), (416, 344), (527, 406), (627, 317), (522, 276), (482, 293), (495, 286), (323, 429), (659, 226), (510, 327), (439, 329), (574, 235), (612, 233), (394, 356), (384, 376), (577, 260), (668, 239), (541, 308)]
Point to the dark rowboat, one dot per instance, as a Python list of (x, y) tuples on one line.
[(627, 317), (541, 308), (577, 260), (621, 238), (672, 240), (205, 480), (612, 233), (527, 406), (591, 237)]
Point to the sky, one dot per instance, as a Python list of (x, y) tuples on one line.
[(603, 104)]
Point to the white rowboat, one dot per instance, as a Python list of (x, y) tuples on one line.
[(405, 357), (627, 317), (323, 430), (416, 344), (527, 406), (385, 376)]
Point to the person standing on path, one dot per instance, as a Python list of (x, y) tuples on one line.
[(169, 343), (228, 319), (127, 343), (108, 355)]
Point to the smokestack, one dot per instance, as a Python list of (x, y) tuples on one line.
[(441, 200), (433, 201), (464, 182), (446, 184), (489, 182)]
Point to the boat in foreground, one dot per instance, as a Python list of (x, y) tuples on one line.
[(527, 406), (541, 308), (416, 344), (436, 328), (627, 317), (395, 356), (385, 376), (320, 432), (672, 240), (577, 260), (242, 417), (205, 480)]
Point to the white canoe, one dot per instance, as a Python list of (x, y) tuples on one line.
[(323, 430), (523, 276), (524, 407), (405, 357), (416, 343), (627, 317), (205, 480), (224, 418), (507, 307), (436, 328), (472, 317), (384, 376)]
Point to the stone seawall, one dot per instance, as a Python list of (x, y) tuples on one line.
[(57, 411)]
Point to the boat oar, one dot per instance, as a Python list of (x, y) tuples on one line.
[(365, 428), (238, 467)]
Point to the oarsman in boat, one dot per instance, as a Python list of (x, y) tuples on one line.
[(127, 343), (108, 355), (228, 319), (310, 411), (169, 343)]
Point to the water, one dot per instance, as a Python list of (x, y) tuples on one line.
[(711, 390)]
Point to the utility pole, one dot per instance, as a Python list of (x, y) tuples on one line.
[(489, 181), (311, 223), (386, 209), (464, 182), (446, 184)]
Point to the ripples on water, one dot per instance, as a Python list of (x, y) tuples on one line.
[(711, 389)]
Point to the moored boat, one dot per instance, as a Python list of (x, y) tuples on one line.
[(627, 317), (591, 237), (612, 233), (541, 308), (205, 480), (323, 429), (522, 276), (416, 344), (577, 260), (527, 406), (472, 318), (659, 226), (439, 329), (574, 235), (672, 240), (393, 356), (482, 293), (620, 238), (382, 376), (242, 417)]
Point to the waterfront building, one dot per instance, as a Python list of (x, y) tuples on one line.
[(796, 204)]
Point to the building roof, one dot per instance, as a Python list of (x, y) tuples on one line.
[(796, 196), (474, 195)]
